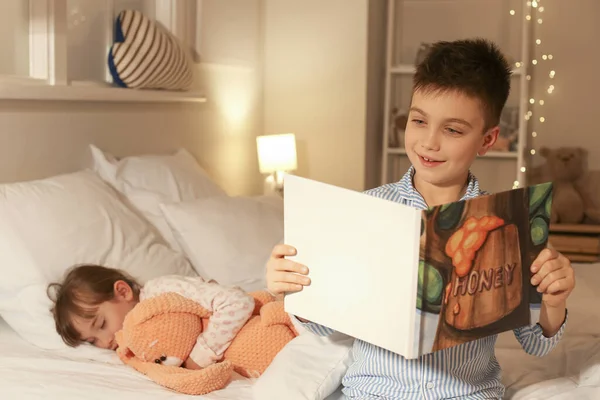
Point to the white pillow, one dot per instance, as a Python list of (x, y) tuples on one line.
[(52, 224), (310, 367), (228, 239), (148, 180)]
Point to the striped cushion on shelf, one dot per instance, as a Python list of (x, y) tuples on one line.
[(144, 55)]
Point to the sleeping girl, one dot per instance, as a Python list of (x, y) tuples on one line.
[(91, 303)]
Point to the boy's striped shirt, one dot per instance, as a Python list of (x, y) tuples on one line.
[(466, 371)]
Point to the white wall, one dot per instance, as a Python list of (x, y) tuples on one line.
[(316, 85), (35, 134), (230, 50)]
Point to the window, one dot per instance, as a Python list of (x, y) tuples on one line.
[(14, 31)]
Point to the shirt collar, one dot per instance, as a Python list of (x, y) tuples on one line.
[(407, 181)]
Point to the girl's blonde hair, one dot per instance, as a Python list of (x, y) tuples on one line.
[(83, 289)]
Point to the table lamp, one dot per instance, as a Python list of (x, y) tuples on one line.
[(276, 156)]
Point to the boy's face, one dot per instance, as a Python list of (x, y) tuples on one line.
[(444, 134), (100, 331)]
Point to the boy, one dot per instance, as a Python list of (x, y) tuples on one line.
[(459, 91)]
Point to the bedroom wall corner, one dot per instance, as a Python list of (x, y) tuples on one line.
[(376, 63)]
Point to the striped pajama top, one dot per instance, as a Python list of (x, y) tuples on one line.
[(466, 371)]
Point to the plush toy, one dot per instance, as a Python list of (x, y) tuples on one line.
[(572, 202), (159, 334)]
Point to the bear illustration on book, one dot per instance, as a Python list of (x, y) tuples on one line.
[(475, 258)]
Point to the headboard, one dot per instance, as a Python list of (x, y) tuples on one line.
[(41, 139)]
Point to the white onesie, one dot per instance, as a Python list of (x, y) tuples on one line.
[(231, 308)]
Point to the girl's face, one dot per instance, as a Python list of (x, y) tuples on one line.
[(100, 330)]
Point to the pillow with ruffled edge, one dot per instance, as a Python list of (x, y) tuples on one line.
[(148, 180)]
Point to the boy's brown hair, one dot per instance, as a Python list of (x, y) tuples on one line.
[(474, 67), (83, 289)]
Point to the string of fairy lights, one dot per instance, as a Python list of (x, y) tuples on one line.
[(534, 14)]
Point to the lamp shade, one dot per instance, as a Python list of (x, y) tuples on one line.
[(276, 153)]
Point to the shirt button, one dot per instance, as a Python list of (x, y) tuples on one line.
[(430, 385)]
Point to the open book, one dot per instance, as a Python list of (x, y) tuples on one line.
[(415, 281)]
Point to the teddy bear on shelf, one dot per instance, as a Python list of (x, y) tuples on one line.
[(160, 332), (572, 202)]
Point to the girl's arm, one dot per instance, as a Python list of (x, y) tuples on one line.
[(231, 308)]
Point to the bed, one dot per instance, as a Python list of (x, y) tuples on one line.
[(151, 214), (30, 373), (572, 370), (27, 372), (147, 211)]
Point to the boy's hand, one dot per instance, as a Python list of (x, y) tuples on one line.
[(285, 276), (553, 276)]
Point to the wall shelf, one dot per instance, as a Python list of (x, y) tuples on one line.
[(501, 154), (409, 69), (491, 154), (93, 92)]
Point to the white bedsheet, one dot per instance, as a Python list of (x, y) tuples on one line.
[(572, 370), (29, 373)]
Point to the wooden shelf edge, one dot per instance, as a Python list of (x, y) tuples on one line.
[(104, 93), (582, 258), (396, 150), (575, 228), (489, 155), (409, 69)]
